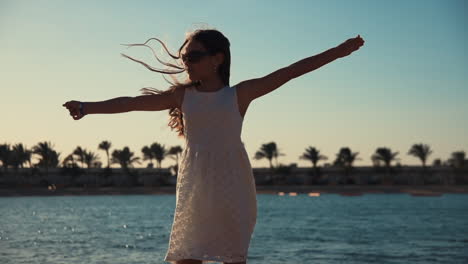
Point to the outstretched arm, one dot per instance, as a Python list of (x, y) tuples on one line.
[(154, 102), (254, 88)]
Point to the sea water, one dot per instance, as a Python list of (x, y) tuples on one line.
[(330, 228)]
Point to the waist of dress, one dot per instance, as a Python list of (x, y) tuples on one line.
[(214, 147)]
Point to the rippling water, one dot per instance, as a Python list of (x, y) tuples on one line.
[(373, 228)]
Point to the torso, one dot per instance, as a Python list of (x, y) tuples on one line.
[(241, 101)]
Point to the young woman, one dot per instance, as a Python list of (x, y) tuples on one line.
[(216, 206)]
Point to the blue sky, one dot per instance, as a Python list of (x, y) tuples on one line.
[(406, 85)]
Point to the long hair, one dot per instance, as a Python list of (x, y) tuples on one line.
[(213, 41)]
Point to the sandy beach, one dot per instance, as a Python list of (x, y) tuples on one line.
[(429, 190)]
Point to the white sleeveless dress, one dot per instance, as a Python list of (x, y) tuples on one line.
[(216, 204)]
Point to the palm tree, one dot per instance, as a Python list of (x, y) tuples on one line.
[(15, 157), (420, 151), (174, 153), (268, 151), (90, 158), (159, 152), (345, 159), (48, 157), (5, 155), (79, 152), (124, 158), (106, 145), (69, 161), (314, 156), (277, 153), (21, 155), (385, 155), (147, 154)]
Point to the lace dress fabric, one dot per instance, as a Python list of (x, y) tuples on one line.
[(216, 204)]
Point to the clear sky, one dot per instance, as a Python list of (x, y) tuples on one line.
[(406, 85)]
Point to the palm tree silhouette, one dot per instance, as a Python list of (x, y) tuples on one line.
[(268, 151), (90, 158), (147, 154), (314, 156), (125, 159), (174, 153), (345, 159), (106, 145), (48, 157), (5, 156), (420, 151), (159, 152), (21, 155), (387, 156), (79, 152), (69, 161)]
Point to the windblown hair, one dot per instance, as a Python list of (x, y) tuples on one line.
[(213, 41)]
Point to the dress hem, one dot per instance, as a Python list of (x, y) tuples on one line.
[(204, 258)]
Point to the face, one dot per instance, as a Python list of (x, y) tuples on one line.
[(199, 64)]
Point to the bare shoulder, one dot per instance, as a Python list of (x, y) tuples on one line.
[(243, 90), (254, 88), (179, 93)]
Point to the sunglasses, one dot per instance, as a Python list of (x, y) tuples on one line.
[(194, 56)]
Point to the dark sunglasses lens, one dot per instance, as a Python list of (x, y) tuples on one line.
[(194, 56)]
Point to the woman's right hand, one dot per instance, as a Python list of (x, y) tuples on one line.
[(74, 108), (349, 46)]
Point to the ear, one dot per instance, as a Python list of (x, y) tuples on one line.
[(218, 58)]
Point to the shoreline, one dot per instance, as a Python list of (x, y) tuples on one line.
[(352, 190)]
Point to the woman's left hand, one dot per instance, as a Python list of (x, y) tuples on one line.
[(349, 46)]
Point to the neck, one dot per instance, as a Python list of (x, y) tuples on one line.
[(211, 85)]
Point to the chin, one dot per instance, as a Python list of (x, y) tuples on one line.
[(194, 78)]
